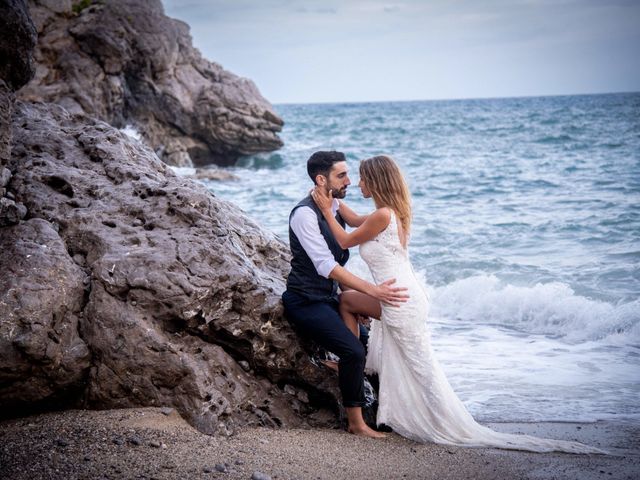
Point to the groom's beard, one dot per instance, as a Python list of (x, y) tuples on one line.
[(339, 192)]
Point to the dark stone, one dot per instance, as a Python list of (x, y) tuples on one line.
[(61, 442), (17, 41), (11, 212)]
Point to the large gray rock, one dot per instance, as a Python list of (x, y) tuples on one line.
[(125, 62), (151, 290), (42, 356)]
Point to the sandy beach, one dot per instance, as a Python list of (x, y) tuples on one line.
[(154, 443)]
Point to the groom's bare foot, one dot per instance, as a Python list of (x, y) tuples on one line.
[(365, 431)]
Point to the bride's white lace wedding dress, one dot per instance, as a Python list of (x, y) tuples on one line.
[(415, 398)]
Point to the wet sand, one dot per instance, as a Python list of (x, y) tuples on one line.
[(146, 443)]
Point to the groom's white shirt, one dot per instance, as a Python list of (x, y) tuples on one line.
[(304, 224)]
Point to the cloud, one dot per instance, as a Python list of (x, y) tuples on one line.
[(301, 51), (391, 8), (317, 10)]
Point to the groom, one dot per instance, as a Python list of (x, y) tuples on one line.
[(311, 299)]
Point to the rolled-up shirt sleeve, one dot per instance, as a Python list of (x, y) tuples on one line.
[(304, 224)]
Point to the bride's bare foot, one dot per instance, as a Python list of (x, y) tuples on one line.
[(365, 431)]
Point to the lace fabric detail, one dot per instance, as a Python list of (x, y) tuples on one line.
[(390, 240), (415, 397)]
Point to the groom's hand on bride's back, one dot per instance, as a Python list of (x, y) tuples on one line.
[(390, 295), (385, 292)]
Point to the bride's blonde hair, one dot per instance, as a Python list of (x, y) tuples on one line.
[(388, 188)]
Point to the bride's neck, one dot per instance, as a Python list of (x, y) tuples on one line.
[(379, 206)]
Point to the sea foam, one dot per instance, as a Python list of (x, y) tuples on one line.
[(551, 309), (132, 132)]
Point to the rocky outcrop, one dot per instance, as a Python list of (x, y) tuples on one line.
[(125, 63), (131, 286), (124, 285)]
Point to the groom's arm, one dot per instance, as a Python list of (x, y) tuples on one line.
[(384, 292), (304, 224)]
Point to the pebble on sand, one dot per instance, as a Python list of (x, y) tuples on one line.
[(260, 476), (61, 442)]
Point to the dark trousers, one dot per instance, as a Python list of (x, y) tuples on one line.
[(321, 322)]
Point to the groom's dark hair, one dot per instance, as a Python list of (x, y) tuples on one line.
[(320, 163)]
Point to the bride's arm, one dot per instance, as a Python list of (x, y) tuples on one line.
[(351, 217), (370, 228)]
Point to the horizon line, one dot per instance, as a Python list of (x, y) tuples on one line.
[(337, 102)]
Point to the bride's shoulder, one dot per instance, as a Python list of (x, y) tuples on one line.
[(382, 215)]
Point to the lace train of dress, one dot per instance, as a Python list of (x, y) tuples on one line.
[(415, 397)]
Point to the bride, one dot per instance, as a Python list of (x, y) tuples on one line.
[(415, 398)]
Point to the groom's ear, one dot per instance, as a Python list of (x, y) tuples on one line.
[(321, 180)]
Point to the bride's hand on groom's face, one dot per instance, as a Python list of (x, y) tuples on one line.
[(323, 199)]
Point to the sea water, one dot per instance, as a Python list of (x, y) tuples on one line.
[(526, 232)]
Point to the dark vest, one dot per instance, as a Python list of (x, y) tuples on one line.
[(304, 279)]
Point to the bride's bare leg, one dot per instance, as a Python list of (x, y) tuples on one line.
[(350, 320), (353, 302), (357, 426)]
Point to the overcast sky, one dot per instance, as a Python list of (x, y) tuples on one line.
[(349, 51)]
